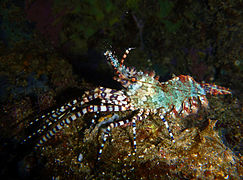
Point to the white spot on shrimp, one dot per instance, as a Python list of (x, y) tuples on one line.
[(80, 157)]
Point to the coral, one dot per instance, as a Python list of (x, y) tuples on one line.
[(196, 154)]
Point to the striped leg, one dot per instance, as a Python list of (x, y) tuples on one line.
[(125, 55), (104, 108), (167, 126), (48, 119), (99, 92), (119, 68), (112, 125), (64, 121), (91, 95), (107, 133), (140, 116), (55, 113), (93, 121), (75, 115), (117, 99), (107, 95)]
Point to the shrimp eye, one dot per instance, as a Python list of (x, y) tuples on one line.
[(133, 79)]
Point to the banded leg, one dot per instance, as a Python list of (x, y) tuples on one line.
[(55, 113), (117, 99), (119, 68), (107, 133), (134, 119), (167, 126), (93, 121), (95, 117), (112, 125), (75, 115), (125, 55), (49, 119), (107, 95), (101, 93), (64, 121)]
